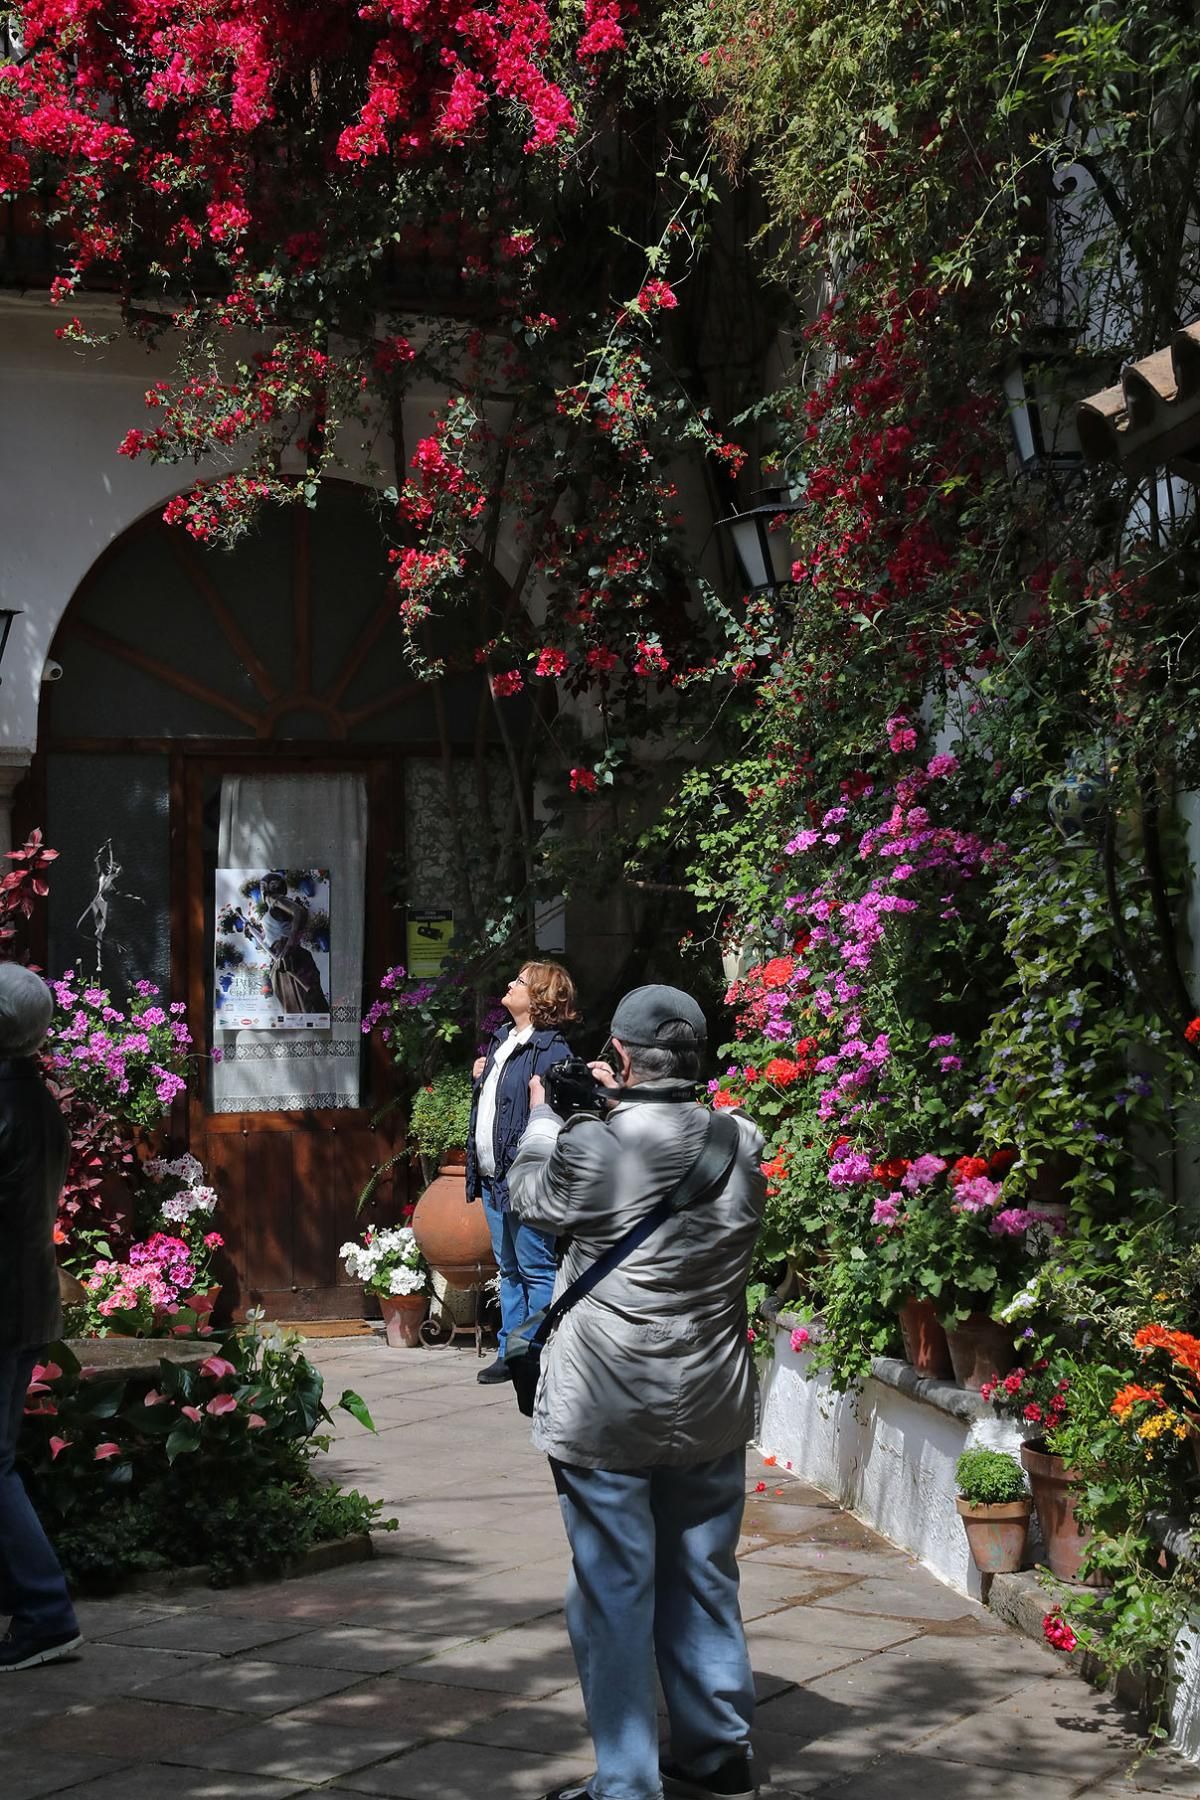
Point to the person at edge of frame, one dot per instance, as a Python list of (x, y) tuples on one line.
[(646, 1401), (539, 1000), (33, 1164)]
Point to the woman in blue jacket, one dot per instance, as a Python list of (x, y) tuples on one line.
[(539, 1000)]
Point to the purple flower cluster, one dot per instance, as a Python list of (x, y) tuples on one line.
[(129, 1063)]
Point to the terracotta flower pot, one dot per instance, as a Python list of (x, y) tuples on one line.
[(1052, 1485), (403, 1317), (924, 1340), (996, 1534), (453, 1236), (979, 1349)]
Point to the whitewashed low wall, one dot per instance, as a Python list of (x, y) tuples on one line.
[(887, 1454)]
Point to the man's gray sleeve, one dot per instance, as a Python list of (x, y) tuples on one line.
[(559, 1177)]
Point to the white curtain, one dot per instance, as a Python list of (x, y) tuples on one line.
[(300, 821)]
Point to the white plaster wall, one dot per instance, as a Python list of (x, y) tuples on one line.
[(886, 1458), (65, 494), (890, 1460)]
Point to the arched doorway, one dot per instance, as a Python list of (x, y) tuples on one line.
[(242, 712)]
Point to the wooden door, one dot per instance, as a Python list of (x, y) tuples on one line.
[(289, 1180)]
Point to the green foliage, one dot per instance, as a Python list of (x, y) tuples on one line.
[(989, 1477), (440, 1115), (211, 1465)]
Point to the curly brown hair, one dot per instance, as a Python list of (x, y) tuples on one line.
[(551, 993)]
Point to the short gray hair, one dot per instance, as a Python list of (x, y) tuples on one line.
[(675, 1056), (26, 1009)]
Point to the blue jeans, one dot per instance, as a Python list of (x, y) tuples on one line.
[(525, 1258), (33, 1590), (654, 1582)]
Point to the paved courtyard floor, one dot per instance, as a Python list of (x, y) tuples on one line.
[(441, 1670)]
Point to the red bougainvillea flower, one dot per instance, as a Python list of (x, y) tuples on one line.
[(1057, 1632), (551, 662), (583, 781), (507, 683), (1192, 1031)]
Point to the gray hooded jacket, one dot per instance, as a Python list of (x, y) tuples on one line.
[(653, 1367)]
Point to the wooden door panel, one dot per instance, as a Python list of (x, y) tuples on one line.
[(288, 1204), (288, 1181)]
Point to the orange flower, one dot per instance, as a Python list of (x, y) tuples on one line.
[(1131, 1396), (1182, 1349), (780, 1072)]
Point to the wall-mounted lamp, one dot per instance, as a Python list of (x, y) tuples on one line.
[(762, 540)]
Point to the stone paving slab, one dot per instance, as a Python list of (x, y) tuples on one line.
[(441, 1670)]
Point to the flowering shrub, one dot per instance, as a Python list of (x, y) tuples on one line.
[(387, 1261), (210, 1464), (160, 1287), (125, 1063), (1037, 1395)]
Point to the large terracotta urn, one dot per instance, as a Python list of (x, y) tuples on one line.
[(453, 1236)]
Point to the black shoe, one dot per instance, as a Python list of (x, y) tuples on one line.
[(497, 1371), (26, 1652), (734, 1780)]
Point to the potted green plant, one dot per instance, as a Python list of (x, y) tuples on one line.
[(994, 1506), (439, 1119)]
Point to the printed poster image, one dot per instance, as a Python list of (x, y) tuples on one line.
[(271, 950), (428, 942)]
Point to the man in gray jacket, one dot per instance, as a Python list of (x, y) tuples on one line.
[(646, 1402)]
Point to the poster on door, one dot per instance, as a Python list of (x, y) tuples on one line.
[(271, 950)]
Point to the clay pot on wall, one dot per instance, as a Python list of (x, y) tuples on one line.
[(979, 1349), (403, 1317), (1052, 1485), (996, 1534), (925, 1343), (451, 1234)]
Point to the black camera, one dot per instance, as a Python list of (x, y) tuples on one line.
[(572, 1088)]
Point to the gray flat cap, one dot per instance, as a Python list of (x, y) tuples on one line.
[(26, 1009), (642, 1014)]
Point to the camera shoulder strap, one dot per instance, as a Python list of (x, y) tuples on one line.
[(710, 1168)]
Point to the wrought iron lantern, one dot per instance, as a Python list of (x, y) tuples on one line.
[(7, 615), (1042, 387), (762, 544)]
